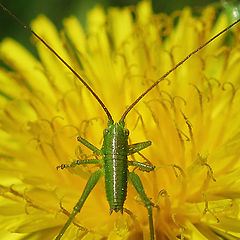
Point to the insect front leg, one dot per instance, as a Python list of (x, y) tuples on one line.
[(90, 146), (92, 181), (137, 147), (85, 161), (136, 182)]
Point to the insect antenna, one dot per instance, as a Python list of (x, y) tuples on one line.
[(174, 68), (61, 59)]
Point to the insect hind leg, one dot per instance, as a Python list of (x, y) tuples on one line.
[(92, 181), (136, 182)]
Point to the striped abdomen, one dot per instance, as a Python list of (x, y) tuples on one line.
[(116, 181)]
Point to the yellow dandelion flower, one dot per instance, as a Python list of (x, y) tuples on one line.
[(192, 119)]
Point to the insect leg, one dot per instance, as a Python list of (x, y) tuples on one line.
[(136, 182), (92, 181), (89, 145), (79, 162), (142, 166), (136, 147)]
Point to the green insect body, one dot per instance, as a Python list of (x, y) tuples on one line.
[(115, 149), (114, 152)]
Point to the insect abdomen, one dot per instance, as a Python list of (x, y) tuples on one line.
[(116, 180)]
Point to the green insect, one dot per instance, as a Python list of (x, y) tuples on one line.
[(115, 149), (232, 9)]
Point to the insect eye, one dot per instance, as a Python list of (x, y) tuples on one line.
[(126, 131), (105, 131)]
